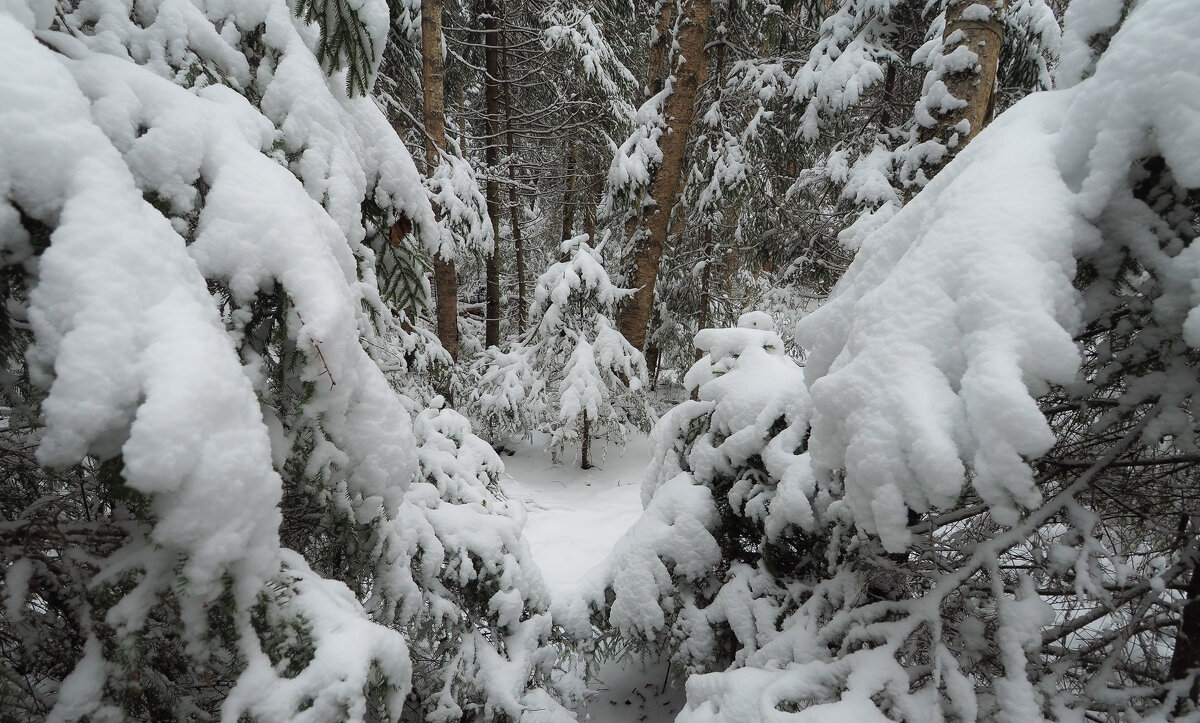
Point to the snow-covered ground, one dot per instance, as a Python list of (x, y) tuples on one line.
[(574, 517)]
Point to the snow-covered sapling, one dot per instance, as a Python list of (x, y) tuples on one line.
[(594, 380), (703, 573)]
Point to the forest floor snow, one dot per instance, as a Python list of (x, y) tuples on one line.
[(574, 518)]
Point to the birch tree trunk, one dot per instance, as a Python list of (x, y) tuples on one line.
[(445, 283), (690, 70), (975, 86)]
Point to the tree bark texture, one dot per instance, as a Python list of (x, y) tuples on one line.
[(568, 203), (702, 319), (653, 354), (690, 71), (445, 283), (593, 199), (491, 93), (1185, 659), (709, 249), (585, 443), (514, 206), (976, 86), (656, 75), (659, 49)]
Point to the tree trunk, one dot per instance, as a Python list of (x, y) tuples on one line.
[(585, 443), (976, 86), (491, 93), (652, 357), (729, 268), (889, 90), (702, 319), (1185, 659), (593, 199), (659, 49), (691, 68), (568, 204), (656, 74), (445, 291), (445, 283), (986, 39), (709, 249), (514, 206)]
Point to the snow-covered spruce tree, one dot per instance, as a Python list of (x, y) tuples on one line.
[(713, 559), (848, 112), (871, 53), (149, 229), (412, 91), (509, 398), (594, 381), (190, 212), (589, 102), (571, 102), (996, 495), (481, 637), (830, 111)]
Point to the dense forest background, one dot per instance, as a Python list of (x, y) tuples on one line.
[(905, 293)]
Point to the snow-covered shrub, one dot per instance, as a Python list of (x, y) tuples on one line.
[(712, 563), (482, 639), (191, 207), (574, 374), (627, 185), (1002, 420), (867, 46), (594, 381), (508, 398), (155, 232)]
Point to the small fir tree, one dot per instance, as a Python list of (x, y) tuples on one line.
[(593, 381), (710, 566)]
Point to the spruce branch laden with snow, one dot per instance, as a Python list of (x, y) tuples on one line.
[(991, 487), (222, 508)]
